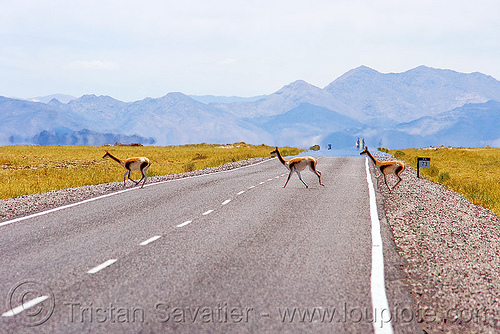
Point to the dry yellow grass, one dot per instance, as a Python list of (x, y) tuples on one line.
[(28, 169), (473, 172)]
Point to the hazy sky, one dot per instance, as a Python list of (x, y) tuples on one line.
[(136, 49)]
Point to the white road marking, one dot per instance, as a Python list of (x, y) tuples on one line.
[(262, 182), (156, 237), (207, 212), (102, 266), (251, 187), (269, 179), (24, 306), (379, 297), (62, 207), (277, 177), (15, 220), (241, 192), (185, 223), (226, 201)]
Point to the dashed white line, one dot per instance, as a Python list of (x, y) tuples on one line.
[(269, 179), (241, 192), (185, 223), (102, 266), (226, 201), (207, 212), (251, 187), (24, 306), (156, 237), (262, 182)]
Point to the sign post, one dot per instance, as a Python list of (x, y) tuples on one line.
[(422, 162)]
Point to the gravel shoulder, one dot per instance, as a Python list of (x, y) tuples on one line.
[(450, 250), (29, 204)]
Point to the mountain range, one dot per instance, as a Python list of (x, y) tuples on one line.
[(420, 107)]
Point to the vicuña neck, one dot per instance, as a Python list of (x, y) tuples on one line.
[(372, 157), (114, 158), (280, 158)]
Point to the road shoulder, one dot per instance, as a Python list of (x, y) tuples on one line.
[(449, 250)]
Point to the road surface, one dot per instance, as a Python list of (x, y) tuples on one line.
[(225, 252)]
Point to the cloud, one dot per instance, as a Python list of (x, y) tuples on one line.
[(92, 65)]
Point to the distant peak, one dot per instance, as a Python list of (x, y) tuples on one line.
[(177, 96), (358, 73), (363, 69), (55, 101), (298, 84), (422, 68)]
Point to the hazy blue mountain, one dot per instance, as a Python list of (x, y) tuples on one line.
[(476, 124), (305, 125), (22, 119), (103, 112), (224, 99), (46, 99), (419, 107), (285, 99), (403, 97), (177, 119)]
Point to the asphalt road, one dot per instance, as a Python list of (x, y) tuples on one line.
[(225, 252)]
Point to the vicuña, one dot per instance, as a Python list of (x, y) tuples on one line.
[(387, 167), (297, 165), (139, 163)]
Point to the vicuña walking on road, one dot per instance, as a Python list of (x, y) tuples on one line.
[(297, 165)]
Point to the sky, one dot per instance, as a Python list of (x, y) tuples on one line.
[(131, 50)]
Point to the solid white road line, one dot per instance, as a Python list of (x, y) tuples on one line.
[(185, 223), (24, 306), (207, 212), (144, 243), (226, 201), (15, 220), (379, 297), (101, 266), (63, 207)]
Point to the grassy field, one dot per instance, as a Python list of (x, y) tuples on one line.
[(473, 172), (28, 169)]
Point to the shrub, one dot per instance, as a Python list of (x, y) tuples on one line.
[(189, 167), (314, 148), (444, 176), (432, 171), (199, 156), (399, 154)]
